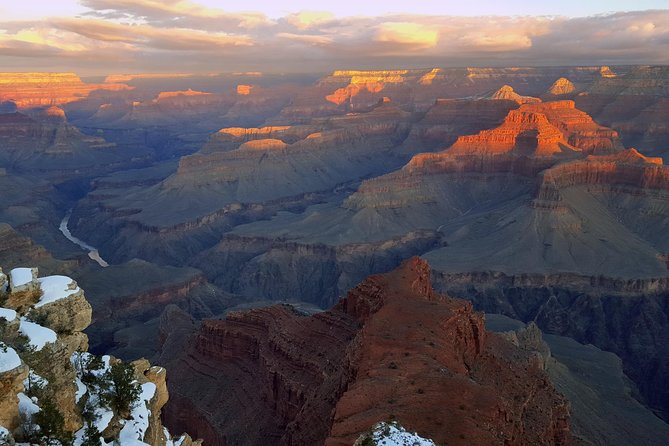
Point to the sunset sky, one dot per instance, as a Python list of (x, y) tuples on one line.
[(120, 36)]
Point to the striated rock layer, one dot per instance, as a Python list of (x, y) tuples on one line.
[(392, 349), (46, 89)]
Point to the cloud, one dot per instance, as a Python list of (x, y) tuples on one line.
[(407, 33), (309, 19), (309, 39), (173, 12), (150, 35)]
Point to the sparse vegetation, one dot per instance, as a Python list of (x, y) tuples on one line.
[(91, 435), (120, 391), (51, 424)]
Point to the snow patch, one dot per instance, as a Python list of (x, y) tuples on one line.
[(55, 288), (6, 313), (21, 276), (38, 336), (9, 359), (81, 389), (392, 434), (27, 407)]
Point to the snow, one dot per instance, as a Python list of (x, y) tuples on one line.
[(55, 288), (81, 389), (392, 434), (34, 379), (27, 406), (9, 360), (21, 276), (6, 313), (104, 417), (38, 336)]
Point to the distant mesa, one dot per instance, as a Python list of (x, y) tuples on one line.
[(507, 93), (429, 77), (561, 86), (29, 90), (54, 112), (120, 78), (173, 94), (606, 72), (244, 90), (264, 144), (360, 81)]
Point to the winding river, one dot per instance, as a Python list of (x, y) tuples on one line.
[(92, 251)]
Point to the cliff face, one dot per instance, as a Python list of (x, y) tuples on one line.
[(46, 89), (541, 129), (628, 318), (634, 104), (393, 348), (46, 372)]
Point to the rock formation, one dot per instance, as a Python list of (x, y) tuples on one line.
[(43, 365), (392, 349), (561, 86), (541, 129), (46, 89), (507, 93)]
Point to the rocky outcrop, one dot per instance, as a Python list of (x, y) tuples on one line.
[(507, 93), (392, 348), (624, 169), (447, 119), (11, 384), (541, 129), (231, 138), (165, 95), (561, 86), (52, 369)]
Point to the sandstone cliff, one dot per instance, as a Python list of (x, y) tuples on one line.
[(47, 89)]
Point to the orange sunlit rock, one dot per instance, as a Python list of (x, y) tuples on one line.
[(46, 89), (370, 81), (173, 94), (244, 90), (507, 93), (561, 86)]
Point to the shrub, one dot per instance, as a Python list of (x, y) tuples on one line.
[(52, 425), (91, 436), (122, 391)]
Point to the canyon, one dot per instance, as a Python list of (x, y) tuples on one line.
[(535, 193)]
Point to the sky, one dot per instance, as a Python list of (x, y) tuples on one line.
[(132, 36)]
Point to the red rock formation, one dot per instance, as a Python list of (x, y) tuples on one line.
[(46, 89), (536, 129), (393, 348)]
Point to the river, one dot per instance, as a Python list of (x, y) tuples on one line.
[(92, 251)]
